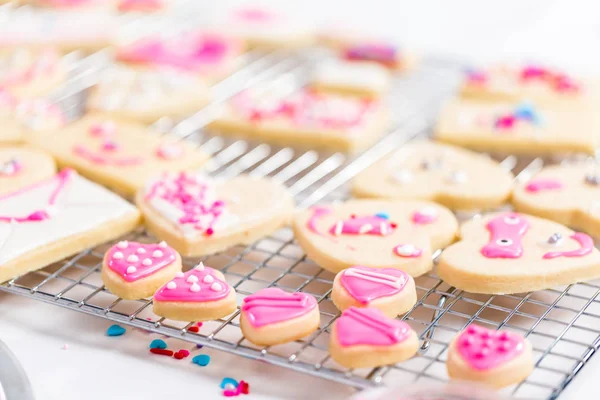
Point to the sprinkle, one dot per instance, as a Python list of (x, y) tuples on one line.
[(201, 360), (162, 244), (194, 329), (216, 287), (182, 353), (157, 254), (338, 228), (192, 279), (179, 274), (141, 250), (162, 352), (131, 269), (115, 330), (365, 228), (123, 244), (383, 215), (118, 255), (133, 258), (147, 262), (200, 267), (383, 228), (195, 287), (210, 231), (208, 279), (244, 387), (171, 285), (65, 347), (158, 344), (228, 381)]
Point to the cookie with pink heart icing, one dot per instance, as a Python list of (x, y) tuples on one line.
[(200, 294), (375, 233), (22, 166), (367, 338), (121, 155), (391, 290), (494, 358), (134, 270), (272, 316), (504, 253)]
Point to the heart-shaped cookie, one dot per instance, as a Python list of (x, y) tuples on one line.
[(23, 166), (505, 253), (449, 175), (375, 233), (198, 215)]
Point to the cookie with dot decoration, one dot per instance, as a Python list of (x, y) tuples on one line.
[(494, 358), (200, 294), (22, 166), (351, 78), (504, 253), (134, 270), (455, 177), (520, 128), (375, 233)]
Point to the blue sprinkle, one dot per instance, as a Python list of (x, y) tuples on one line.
[(526, 111), (201, 360), (226, 381), (383, 215), (199, 346), (115, 330), (158, 344)]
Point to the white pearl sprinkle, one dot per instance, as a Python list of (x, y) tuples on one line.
[(157, 254), (147, 262), (195, 287), (162, 244), (118, 255), (133, 258), (131, 269), (200, 267), (179, 274), (123, 244), (171, 285), (141, 250), (208, 279), (406, 250), (192, 279), (403, 176), (216, 287)]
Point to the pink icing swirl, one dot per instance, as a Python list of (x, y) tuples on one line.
[(586, 244), (134, 261), (484, 349), (367, 225), (366, 284), (271, 305), (200, 284), (542, 185), (369, 326), (506, 232), (425, 216)]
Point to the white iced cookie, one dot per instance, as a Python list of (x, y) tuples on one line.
[(494, 358), (351, 78), (517, 128), (198, 215), (119, 154), (55, 218), (390, 290), (145, 95), (28, 73), (23, 166), (568, 194), (378, 51), (505, 253), (375, 233)]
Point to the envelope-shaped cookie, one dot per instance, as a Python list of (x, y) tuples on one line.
[(449, 175), (506, 253), (351, 78), (568, 194), (55, 218), (23, 166), (518, 128)]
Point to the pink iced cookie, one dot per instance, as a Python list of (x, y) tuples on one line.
[(495, 358), (365, 337), (390, 290), (272, 316), (200, 294), (134, 270)]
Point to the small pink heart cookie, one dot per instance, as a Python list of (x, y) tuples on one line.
[(200, 294), (134, 270), (366, 338), (272, 316), (495, 358), (390, 290)]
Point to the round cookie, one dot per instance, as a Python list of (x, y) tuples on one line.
[(366, 338), (135, 271), (29, 73), (390, 290), (272, 316), (375, 233), (200, 294), (494, 358), (455, 177), (21, 167)]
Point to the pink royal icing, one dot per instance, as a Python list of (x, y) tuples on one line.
[(484, 349), (506, 232), (271, 305), (560, 82), (10, 168), (200, 284), (134, 261), (366, 284), (368, 225), (425, 215), (586, 244), (542, 185), (369, 326), (317, 214)]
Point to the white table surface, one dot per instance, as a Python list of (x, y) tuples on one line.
[(95, 366)]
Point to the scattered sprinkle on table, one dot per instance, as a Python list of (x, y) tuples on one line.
[(182, 353), (115, 330), (158, 344), (65, 347), (162, 352), (228, 381), (201, 360)]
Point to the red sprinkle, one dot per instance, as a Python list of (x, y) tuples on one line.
[(184, 352), (210, 231), (194, 329), (178, 356), (162, 352), (244, 387)]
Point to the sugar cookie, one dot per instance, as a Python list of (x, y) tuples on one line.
[(200, 294), (366, 338), (375, 233), (146, 95), (272, 316), (449, 175), (29, 73), (497, 359), (198, 215), (305, 118), (517, 128), (134, 270), (380, 52), (55, 218), (73, 5), (505, 253), (351, 78), (119, 154), (568, 194), (390, 290), (141, 5), (23, 166)]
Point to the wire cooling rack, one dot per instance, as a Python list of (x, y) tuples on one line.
[(563, 324)]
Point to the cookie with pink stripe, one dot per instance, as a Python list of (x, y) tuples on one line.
[(390, 290), (200, 294), (134, 270), (503, 253), (272, 316), (367, 338), (495, 358)]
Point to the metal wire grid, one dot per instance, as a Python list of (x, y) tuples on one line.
[(563, 324)]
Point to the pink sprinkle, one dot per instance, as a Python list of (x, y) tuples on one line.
[(103, 129), (506, 122), (109, 145), (65, 347), (210, 231), (184, 352)]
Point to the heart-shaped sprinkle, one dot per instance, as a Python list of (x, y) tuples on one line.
[(484, 349), (228, 381), (367, 284), (272, 305), (180, 354), (407, 251), (123, 260), (196, 291), (201, 360), (115, 330), (158, 344), (369, 326)]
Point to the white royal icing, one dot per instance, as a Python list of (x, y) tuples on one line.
[(352, 74)]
